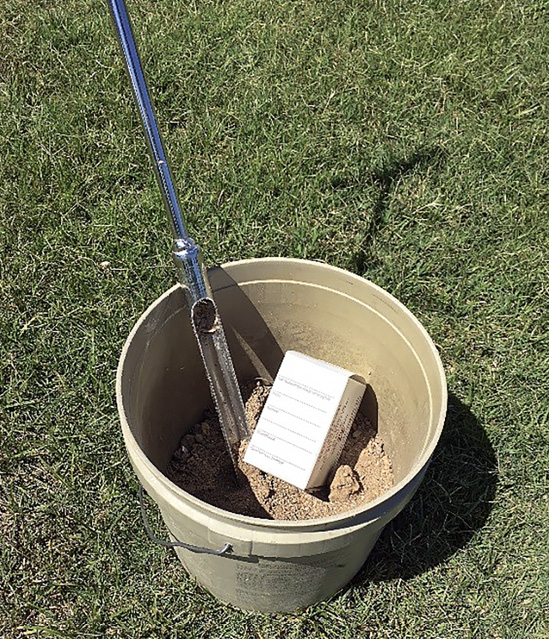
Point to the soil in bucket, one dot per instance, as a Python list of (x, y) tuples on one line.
[(201, 465)]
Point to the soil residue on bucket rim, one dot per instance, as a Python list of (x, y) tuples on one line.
[(201, 465)]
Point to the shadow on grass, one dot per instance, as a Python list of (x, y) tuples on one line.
[(384, 180), (453, 502)]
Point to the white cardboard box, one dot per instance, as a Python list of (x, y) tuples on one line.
[(305, 421)]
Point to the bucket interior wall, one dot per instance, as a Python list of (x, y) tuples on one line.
[(348, 325)]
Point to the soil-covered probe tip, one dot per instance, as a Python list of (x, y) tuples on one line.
[(213, 346), (192, 274)]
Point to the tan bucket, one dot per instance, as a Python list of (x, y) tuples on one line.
[(269, 306)]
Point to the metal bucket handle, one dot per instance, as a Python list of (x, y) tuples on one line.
[(174, 544)]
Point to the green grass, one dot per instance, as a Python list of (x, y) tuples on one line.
[(404, 141)]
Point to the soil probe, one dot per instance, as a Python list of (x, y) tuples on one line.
[(191, 272)]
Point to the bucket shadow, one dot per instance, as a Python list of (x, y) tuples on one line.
[(452, 504)]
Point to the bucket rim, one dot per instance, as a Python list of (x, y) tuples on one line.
[(366, 512)]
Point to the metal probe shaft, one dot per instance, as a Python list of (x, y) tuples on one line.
[(192, 274)]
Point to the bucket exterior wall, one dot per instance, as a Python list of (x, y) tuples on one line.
[(269, 306)]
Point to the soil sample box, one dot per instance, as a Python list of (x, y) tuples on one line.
[(305, 422)]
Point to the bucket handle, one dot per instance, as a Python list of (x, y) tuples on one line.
[(174, 544)]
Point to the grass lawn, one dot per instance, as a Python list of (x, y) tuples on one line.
[(404, 141)]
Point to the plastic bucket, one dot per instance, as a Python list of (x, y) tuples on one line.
[(269, 306)]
